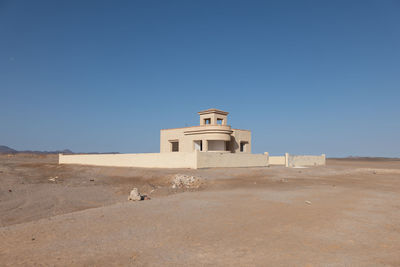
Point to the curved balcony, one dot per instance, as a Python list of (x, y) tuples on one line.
[(211, 132), (209, 129)]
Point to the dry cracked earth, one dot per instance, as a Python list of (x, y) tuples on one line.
[(344, 214)]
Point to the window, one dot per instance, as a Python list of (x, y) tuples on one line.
[(216, 145), (198, 145), (243, 146), (207, 121), (220, 121), (174, 146)]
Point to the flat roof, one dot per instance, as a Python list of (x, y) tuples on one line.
[(199, 126), (212, 110)]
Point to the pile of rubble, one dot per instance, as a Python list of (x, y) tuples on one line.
[(186, 181), (179, 181), (136, 196)]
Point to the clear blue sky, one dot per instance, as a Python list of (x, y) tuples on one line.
[(304, 76)]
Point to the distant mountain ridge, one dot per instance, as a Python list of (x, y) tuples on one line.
[(8, 150)]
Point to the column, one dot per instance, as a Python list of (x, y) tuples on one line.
[(205, 145)]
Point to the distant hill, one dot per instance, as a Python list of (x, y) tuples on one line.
[(8, 150)]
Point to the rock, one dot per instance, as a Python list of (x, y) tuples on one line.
[(308, 202), (53, 179), (134, 195), (186, 181), (92, 180)]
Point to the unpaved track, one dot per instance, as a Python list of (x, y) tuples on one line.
[(345, 214)]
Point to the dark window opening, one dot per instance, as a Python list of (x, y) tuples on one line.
[(175, 146), (219, 121), (243, 146), (207, 121)]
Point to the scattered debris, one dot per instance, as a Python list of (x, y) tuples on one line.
[(91, 179), (374, 172), (53, 179), (283, 180), (9, 190), (186, 181), (33, 239), (134, 195), (308, 202), (152, 191)]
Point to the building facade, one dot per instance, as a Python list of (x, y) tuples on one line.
[(184, 147), (212, 135)]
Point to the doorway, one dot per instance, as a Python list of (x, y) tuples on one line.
[(198, 145)]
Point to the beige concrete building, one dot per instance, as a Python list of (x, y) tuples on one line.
[(212, 135), (211, 144)]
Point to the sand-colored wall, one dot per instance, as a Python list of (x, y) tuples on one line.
[(224, 159), (297, 160), (169, 160), (306, 160), (174, 134), (237, 136), (146, 160), (277, 160)]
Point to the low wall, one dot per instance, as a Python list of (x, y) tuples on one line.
[(146, 160), (277, 160), (218, 159), (306, 160), (192, 160), (297, 160)]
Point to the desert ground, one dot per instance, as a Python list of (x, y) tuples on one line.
[(344, 214)]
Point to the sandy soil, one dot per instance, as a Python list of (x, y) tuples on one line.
[(344, 214)]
